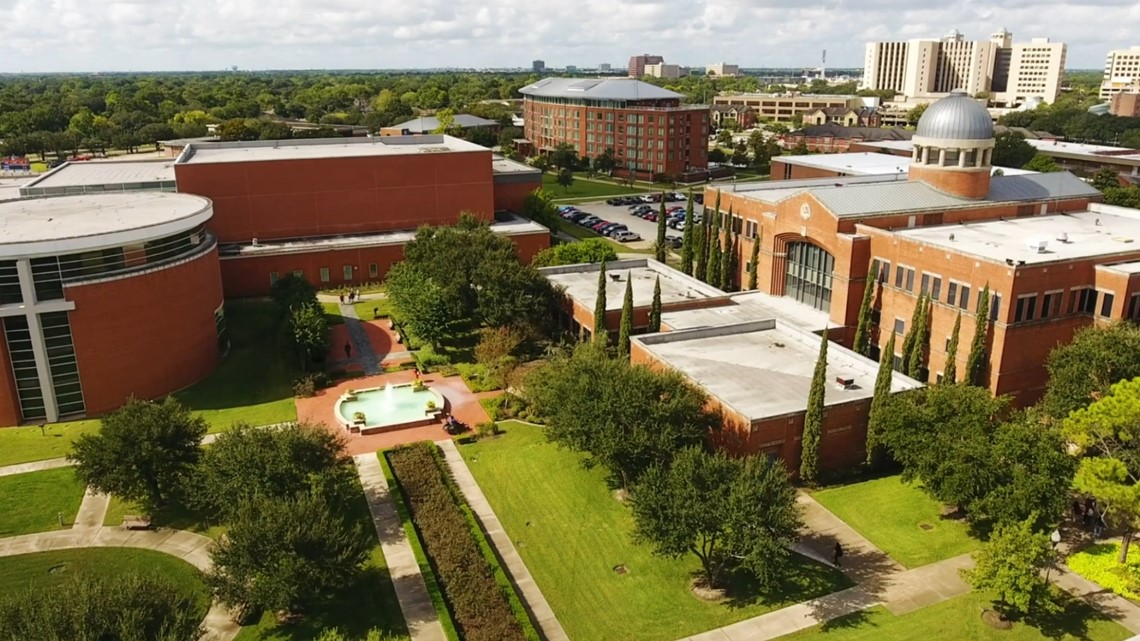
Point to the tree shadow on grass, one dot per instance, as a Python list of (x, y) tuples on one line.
[(1072, 617), (800, 580)]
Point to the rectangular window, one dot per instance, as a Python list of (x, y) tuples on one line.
[(298, 273), (900, 326), (1106, 304), (1134, 307), (884, 271), (324, 274), (964, 297), (273, 278), (373, 270), (346, 271), (935, 287), (1026, 308), (910, 280), (952, 293), (995, 306), (1086, 303), (925, 286), (899, 276), (1051, 305)]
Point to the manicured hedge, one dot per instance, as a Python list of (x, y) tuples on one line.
[(481, 608)]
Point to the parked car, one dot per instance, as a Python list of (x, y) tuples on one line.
[(616, 229), (599, 225), (679, 224), (674, 241), (651, 216), (626, 236), (647, 198), (613, 201), (589, 221), (562, 208), (608, 228)]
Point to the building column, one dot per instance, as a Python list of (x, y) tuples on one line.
[(941, 157), (961, 159), (35, 332), (926, 155)]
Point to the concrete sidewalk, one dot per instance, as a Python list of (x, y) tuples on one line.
[(34, 466), (411, 591), (1115, 607), (863, 562), (537, 607)]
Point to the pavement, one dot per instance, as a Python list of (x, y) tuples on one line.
[(362, 345), (34, 466), (535, 603), (620, 214), (411, 591)]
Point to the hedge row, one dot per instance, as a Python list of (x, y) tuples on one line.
[(479, 604)]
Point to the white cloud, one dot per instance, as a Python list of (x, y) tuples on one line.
[(82, 35)]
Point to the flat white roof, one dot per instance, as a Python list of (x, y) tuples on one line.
[(75, 223), (865, 163), (1123, 268), (117, 172), (581, 283), (306, 149), (1103, 230), (764, 369), (1074, 147), (747, 307)]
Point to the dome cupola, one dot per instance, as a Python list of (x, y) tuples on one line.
[(953, 146)]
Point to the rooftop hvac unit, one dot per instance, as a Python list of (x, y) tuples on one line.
[(1037, 246), (845, 381)]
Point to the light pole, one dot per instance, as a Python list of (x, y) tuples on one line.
[(1055, 540)]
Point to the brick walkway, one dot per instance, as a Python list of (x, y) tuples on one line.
[(362, 345), (411, 592)]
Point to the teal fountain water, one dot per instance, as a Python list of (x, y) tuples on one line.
[(381, 409)]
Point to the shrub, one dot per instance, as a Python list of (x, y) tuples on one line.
[(307, 386), (478, 377), (429, 360), (506, 407), (1098, 563), (496, 343), (486, 428), (480, 606)]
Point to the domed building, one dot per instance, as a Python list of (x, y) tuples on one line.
[(953, 147)]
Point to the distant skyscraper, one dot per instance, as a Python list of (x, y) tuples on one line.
[(538, 66), (1121, 72), (637, 64), (605, 67)]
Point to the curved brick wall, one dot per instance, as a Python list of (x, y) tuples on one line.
[(971, 183)]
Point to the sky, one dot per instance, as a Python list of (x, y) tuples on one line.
[(176, 35)]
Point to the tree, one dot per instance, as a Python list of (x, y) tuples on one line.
[(950, 374), (248, 462), (237, 129), (915, 114), (912, 334), (128, 605), (625, 327), (273, 130), (565, 157), (916, 362), (753, 262), (420, 305), (446, 119), (813, 417), (507, 137), (655, 308), (687, 238), (726, 511), (740, 154), (1123, 196), (625, 418), (1086, 368), (539, 206), (309, 334), (863, 325), (1105, 178), (700, 267), (1043, 164), (1108, 434), (717, 155), (590, 250), (724, 281), (1009, 567), (659, 244), (601, 332), (978, 361), (604, 163), (1012, 150), (880, 401), (713, 270), (287, 554), (290, 291), (143, 451), (565, 179)]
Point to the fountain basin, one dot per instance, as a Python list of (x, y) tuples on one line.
[(387, 408)]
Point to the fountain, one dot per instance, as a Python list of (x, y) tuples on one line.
[(388, 408)]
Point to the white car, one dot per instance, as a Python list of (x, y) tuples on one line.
[(626, 236)]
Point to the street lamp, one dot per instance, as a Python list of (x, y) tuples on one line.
[(1055, 540)]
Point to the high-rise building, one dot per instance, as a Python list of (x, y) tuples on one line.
[(1121, 72), (538, 66), (637, 64), (1125, 104), (662, 70), (647, 127), (722, 69), (605, 67), (1011, 73)]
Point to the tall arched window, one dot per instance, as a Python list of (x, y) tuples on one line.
[(809, 275)]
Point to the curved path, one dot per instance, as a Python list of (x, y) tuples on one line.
[(89, 532)]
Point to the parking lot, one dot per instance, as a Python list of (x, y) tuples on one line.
[(645, 228)]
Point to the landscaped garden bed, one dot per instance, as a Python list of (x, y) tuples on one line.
[(474, 585), (1098, 563)]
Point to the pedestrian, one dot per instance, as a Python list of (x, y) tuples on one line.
[(1098, 526), (1077, 511), (348, 350), (342, 298), (1090, 518), (837, 554), (375, 313), (350, 297)]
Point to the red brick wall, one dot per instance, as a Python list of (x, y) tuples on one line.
[(512, 196), (323, 197), (9, 403), (967, 184), (145, 335)]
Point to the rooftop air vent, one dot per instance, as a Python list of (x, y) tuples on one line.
[(1038, 245), (845, 381), (1063, 237)]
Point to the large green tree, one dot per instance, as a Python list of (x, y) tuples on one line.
[(625, 327), (308, 335), (700, 267), (687, 253), (1011, 150), (601, 332), (422, 307), (1042, 163), (862, 341), (880, 402), (144, 451), (813, 417), (1009, 567), (590, 250), (914, 333), (625, 418), (950, 372), (728, 512), (724, 281), (1086, 368), (977, 363)]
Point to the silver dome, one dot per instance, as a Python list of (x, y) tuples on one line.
[(956, 117)]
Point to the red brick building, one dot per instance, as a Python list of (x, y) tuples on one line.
[(1053, 258), (650, 131)]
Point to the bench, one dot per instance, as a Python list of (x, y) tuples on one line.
[(134, 522)]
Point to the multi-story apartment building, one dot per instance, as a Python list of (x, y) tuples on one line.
[(637, 64), (1126, 105), (1121, 72), (649, 129), (776, 107), (1009, 72), (663, 70)]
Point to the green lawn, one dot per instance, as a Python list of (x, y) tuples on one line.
[(47, 569), (1098, 563), (571, 534), (364, 309), (584, 189), (26, 444), (895, 517), (367, 603), (176, 517), (959, 619), (31, 502), (332, 313), (254, 383)]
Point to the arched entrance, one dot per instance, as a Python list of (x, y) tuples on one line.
[(808, 275)]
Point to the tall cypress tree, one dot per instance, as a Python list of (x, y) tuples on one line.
[(863, 326), (915, 366), (600, 333), (753, 258), (734, 263), (655, 308), (625, 329), (912, 333), (687, 238), (813, 418), (879, 402), (659, 246), (950, 374), (725, 279), (701, 248), (713, 271), (976, 362)]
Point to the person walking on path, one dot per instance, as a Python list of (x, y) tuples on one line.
[(342, 299), (837, 554), (348, 350)]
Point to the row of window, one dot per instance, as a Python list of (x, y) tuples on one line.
[(63, 369), (957, 293), (347, 273), (1082, 300)]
